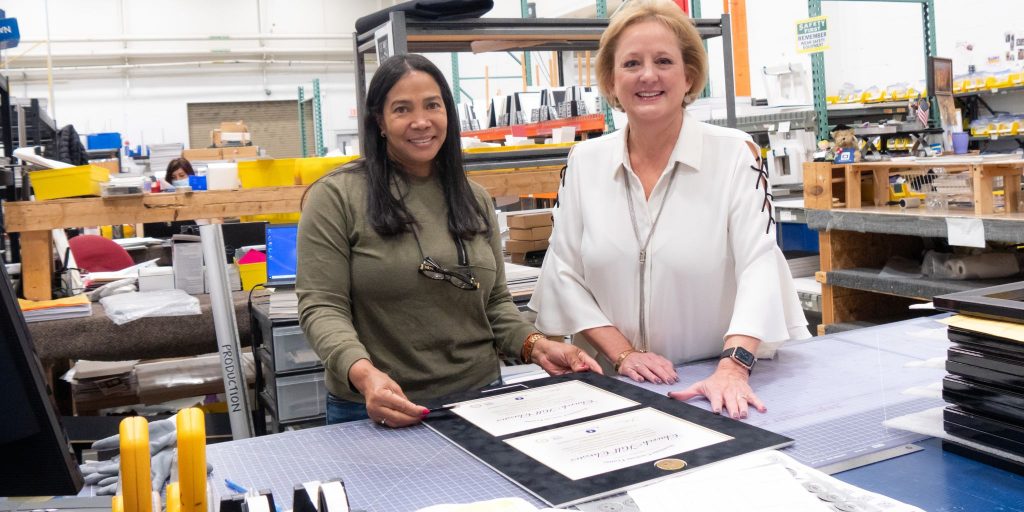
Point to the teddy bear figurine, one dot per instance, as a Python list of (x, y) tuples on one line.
[(843, 138)]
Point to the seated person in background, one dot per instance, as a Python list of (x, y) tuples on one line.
[(401, 277), (178, 171)]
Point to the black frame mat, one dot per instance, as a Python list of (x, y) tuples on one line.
[(557, 490)]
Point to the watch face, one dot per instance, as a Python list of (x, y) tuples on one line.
[(745, 357)]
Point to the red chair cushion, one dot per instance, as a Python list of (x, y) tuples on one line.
[(94, 253)]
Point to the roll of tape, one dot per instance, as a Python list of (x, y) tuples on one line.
[(910, 202)]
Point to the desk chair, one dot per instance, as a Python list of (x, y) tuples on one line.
[(94, 253)]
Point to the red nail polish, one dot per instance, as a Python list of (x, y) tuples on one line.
[(424, 413)]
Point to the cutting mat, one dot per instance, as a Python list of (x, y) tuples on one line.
[(383, 469), (830, 394)]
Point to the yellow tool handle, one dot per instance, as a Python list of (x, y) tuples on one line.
[(192, 460), (136, 488), (173, 497)]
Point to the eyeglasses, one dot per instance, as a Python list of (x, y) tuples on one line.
[(433, 270), (464, 280)]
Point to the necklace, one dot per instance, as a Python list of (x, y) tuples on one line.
[(643, 251)]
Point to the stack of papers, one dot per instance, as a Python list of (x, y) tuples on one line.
[(769, 481), (284, 304), (521, 279), (57, 309), (135, 242), (804, 266), (96, 278), (161, 154)]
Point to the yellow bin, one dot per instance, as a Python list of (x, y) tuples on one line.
[(83, 180), (252, 274), (311, 169), (279, 172)]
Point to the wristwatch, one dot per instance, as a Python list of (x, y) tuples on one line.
[(742, 356)]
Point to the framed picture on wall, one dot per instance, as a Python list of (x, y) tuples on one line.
[(940, 76)]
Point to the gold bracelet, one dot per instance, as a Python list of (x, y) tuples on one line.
[(527, 353), (624, 354)]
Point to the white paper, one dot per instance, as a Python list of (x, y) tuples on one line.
[(764, 488), (539, 407), (965, 232), (766, 480), (616, 442)]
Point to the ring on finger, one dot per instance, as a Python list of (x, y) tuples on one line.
[(383, 422)]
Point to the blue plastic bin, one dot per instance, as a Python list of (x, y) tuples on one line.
[(197, 182), (103, 141)]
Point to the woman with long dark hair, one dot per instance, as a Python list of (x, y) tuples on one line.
[(401, 279)]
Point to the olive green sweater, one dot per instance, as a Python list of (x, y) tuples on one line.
[(362, 296)]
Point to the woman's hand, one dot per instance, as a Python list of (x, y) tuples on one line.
[(648, 366), (558, 358), (728, 387), (386, 404)]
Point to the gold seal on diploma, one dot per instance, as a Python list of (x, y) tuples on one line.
[(670, 464)]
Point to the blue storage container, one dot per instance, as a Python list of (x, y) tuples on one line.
[(103, 141)]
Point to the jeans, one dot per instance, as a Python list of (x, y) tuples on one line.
[(343, 411)]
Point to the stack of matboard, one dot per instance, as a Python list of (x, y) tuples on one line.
[(162, 154)]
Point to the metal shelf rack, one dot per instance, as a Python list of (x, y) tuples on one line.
[(421, 36)]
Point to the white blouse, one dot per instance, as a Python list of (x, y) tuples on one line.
[(713, 266)]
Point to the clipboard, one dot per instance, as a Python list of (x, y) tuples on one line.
[(556, 489)]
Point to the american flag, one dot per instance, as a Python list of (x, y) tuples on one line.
[(922, 111)]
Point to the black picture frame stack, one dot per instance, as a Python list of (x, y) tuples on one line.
[(985, 384)]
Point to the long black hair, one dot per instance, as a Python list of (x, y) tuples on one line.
[(387, 213)]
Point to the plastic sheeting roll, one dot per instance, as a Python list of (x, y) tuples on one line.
[(983, 266)]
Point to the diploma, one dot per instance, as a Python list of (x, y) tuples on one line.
[(616, 442), (539, 407)]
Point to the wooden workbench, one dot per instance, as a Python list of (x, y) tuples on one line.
[(35, 219)]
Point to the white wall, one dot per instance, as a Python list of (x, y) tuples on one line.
[(148, 105), (872, 43)]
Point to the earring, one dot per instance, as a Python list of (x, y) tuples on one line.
[(383, 135)]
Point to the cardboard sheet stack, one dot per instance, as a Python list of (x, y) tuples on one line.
[(528, 233)]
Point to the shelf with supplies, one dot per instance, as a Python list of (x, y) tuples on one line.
[(584, 125), (831, 186), (401, 34), (510, 173), (857, 243)]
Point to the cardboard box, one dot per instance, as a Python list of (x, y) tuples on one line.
[(202, 154), (525, 246), (240, 152), (234, 137), (111, 165), (156, 278), (233, 126), (538, 233), (215, 138), (530, 220), (187, 262)]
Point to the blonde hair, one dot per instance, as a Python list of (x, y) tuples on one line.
[(695, 59)]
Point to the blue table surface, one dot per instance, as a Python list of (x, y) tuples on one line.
[(939, 481)]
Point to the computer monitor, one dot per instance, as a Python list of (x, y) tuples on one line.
[(281, 253), (242, 234), (35, 458)]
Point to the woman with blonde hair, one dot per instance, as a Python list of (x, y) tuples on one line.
[(663, 249)]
